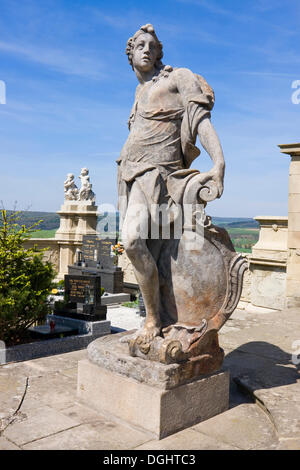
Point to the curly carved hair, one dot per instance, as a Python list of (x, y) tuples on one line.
[(147, 28)]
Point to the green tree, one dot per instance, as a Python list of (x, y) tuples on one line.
[(25, 280)]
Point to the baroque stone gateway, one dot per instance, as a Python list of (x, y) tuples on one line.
[(191, 282)]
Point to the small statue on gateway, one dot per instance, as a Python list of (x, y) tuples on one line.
[(70, 188), (86, 193)]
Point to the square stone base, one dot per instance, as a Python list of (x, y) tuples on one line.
[(160, 412)]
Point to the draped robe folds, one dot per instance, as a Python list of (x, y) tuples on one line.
[(161, 144)]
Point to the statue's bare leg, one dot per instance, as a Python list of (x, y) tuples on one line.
[(134, 235)]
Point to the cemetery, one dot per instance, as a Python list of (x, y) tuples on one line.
[(161, 336)]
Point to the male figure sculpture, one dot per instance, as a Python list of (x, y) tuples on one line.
[(172, 107)]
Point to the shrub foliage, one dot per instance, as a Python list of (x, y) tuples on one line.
[(25, 280)]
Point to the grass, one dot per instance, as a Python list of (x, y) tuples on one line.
[(243, 239), (133, 304), (44, 233)]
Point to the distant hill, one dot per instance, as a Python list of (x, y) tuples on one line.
[(50, 220), (235, 222), (243, 231)]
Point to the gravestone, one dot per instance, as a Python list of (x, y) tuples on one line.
[(90, 250), (84, 290), (96, 259), (97, 252)]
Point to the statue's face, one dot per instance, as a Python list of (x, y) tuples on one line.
[(145, 52)]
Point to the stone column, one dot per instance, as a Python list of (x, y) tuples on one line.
[(293, 260), (77, 218)]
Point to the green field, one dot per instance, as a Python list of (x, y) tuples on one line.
[(44, 233), (243, 238), (243, 231)]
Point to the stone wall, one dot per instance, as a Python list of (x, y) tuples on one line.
[(52, 249), (125, 264)]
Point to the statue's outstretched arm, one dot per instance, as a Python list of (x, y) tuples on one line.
[(210, 142)]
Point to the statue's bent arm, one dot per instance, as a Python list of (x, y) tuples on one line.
[(210, 142)]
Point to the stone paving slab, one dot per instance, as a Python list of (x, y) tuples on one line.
[(279, 395), (288, 444), (124, 318), (7, 445), (258, 354), (245, 427), (37, 423), (188, 439), (82, 413), (104, 436)]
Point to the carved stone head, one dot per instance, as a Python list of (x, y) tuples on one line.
[(145, 30)]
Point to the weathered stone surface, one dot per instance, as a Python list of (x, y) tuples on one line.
[(187, 440), (54, 389), (167, 411), (278, 390), (112, 354), (245, 427), (267, 263), (288, 444), (37, 423), (7, 445), (243, 358), (83, 414), (104, 435), (187, 269)]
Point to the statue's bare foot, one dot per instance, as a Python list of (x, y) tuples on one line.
[(149, 332)]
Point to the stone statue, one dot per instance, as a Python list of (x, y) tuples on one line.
[(188, 294), (70, 188), (86, 193)]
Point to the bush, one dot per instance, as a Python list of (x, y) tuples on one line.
[(25, 280), (61, 284)]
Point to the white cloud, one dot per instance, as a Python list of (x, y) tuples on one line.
[(70, 63)]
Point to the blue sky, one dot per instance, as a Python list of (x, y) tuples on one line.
[(69, 91)]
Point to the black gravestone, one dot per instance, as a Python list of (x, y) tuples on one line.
[(105, 259), (96, 252), (90, 250), (85, 290)]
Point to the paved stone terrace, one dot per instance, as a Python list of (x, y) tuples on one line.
[(39, 408)]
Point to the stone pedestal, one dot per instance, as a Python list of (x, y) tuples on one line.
[(267, 263), (293, 262), (161, 399), (77, 218)]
